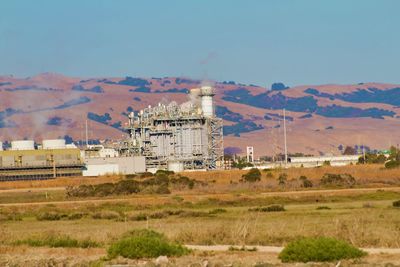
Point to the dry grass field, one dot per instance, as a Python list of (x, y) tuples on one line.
[(219, 212)]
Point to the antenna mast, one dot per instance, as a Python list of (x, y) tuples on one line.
[(284, 135), (86, 135)]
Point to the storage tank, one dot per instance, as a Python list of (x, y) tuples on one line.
[(175, 166), (53, 144), (1, 146), (23, 145), (207, 93)]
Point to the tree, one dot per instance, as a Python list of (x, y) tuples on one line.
[(282, 179), (253, 175), (394, 158), (372, 158), (349, 151), (305, 182)]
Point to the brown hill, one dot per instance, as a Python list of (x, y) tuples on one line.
[(319, 118)]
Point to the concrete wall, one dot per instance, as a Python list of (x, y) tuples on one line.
[(120, 165), (100, 169)]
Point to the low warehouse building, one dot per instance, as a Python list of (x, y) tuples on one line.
[(114, 165), (24, 162)]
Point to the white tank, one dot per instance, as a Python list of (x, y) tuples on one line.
[(53, 144), (207, 93), (23, 145), (1, 146), (175, 166)]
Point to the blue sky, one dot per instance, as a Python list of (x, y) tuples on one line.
[(249, 41)]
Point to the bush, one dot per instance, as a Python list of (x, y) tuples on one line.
[(80, 191), (165, 172), (323, 208), (319, 250), (126, 187), (338, 179), (106, 214), (253, 175), (103, 190), (49, 216), (396, 204), (75, 216), (145, 244), (282, 179), (270, 175), (56, 242), (146, 174), (305, 182), (139, 217), (392, 164), (272, 208), (163, 189), (217, 211), (183, 181), (130, 176), (371, 158)]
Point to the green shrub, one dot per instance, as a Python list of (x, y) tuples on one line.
[(323, 208), (305, 182), (371, 158), (145, 244), (145, 175), (80, 191), (271, 208), (282, 179), (49, 216), (326, 163), (174, 212), (319, 249), (75, 216), (243, 248), (178, 198), (183, 181), (396, 204), (191, 213), (126, 187), (217, 211), (55, 241), (158, 215), (130, 176), (270, 175), (11, 217), (338, 179), (392, 164), (163, 190), (103, 190), (106, 214), (164, 172), (253, 175), (139, 217)]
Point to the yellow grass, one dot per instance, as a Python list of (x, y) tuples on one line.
[(373, 174), (59, 182)]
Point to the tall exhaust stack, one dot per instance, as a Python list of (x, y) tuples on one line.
[(207, 93)]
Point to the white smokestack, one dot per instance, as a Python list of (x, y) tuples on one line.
[(207, 93)]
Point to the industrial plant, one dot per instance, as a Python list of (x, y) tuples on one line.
[(53, 158), (177, 137), (168, 136)]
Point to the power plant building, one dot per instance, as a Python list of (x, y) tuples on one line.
[(53, 159), (177, 137)]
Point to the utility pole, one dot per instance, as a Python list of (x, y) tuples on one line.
[(363, 149), (86, 135), (284, 135)]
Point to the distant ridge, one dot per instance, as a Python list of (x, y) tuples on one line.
[(321, 118)]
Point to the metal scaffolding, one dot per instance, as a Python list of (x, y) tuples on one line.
[(180, 133)]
